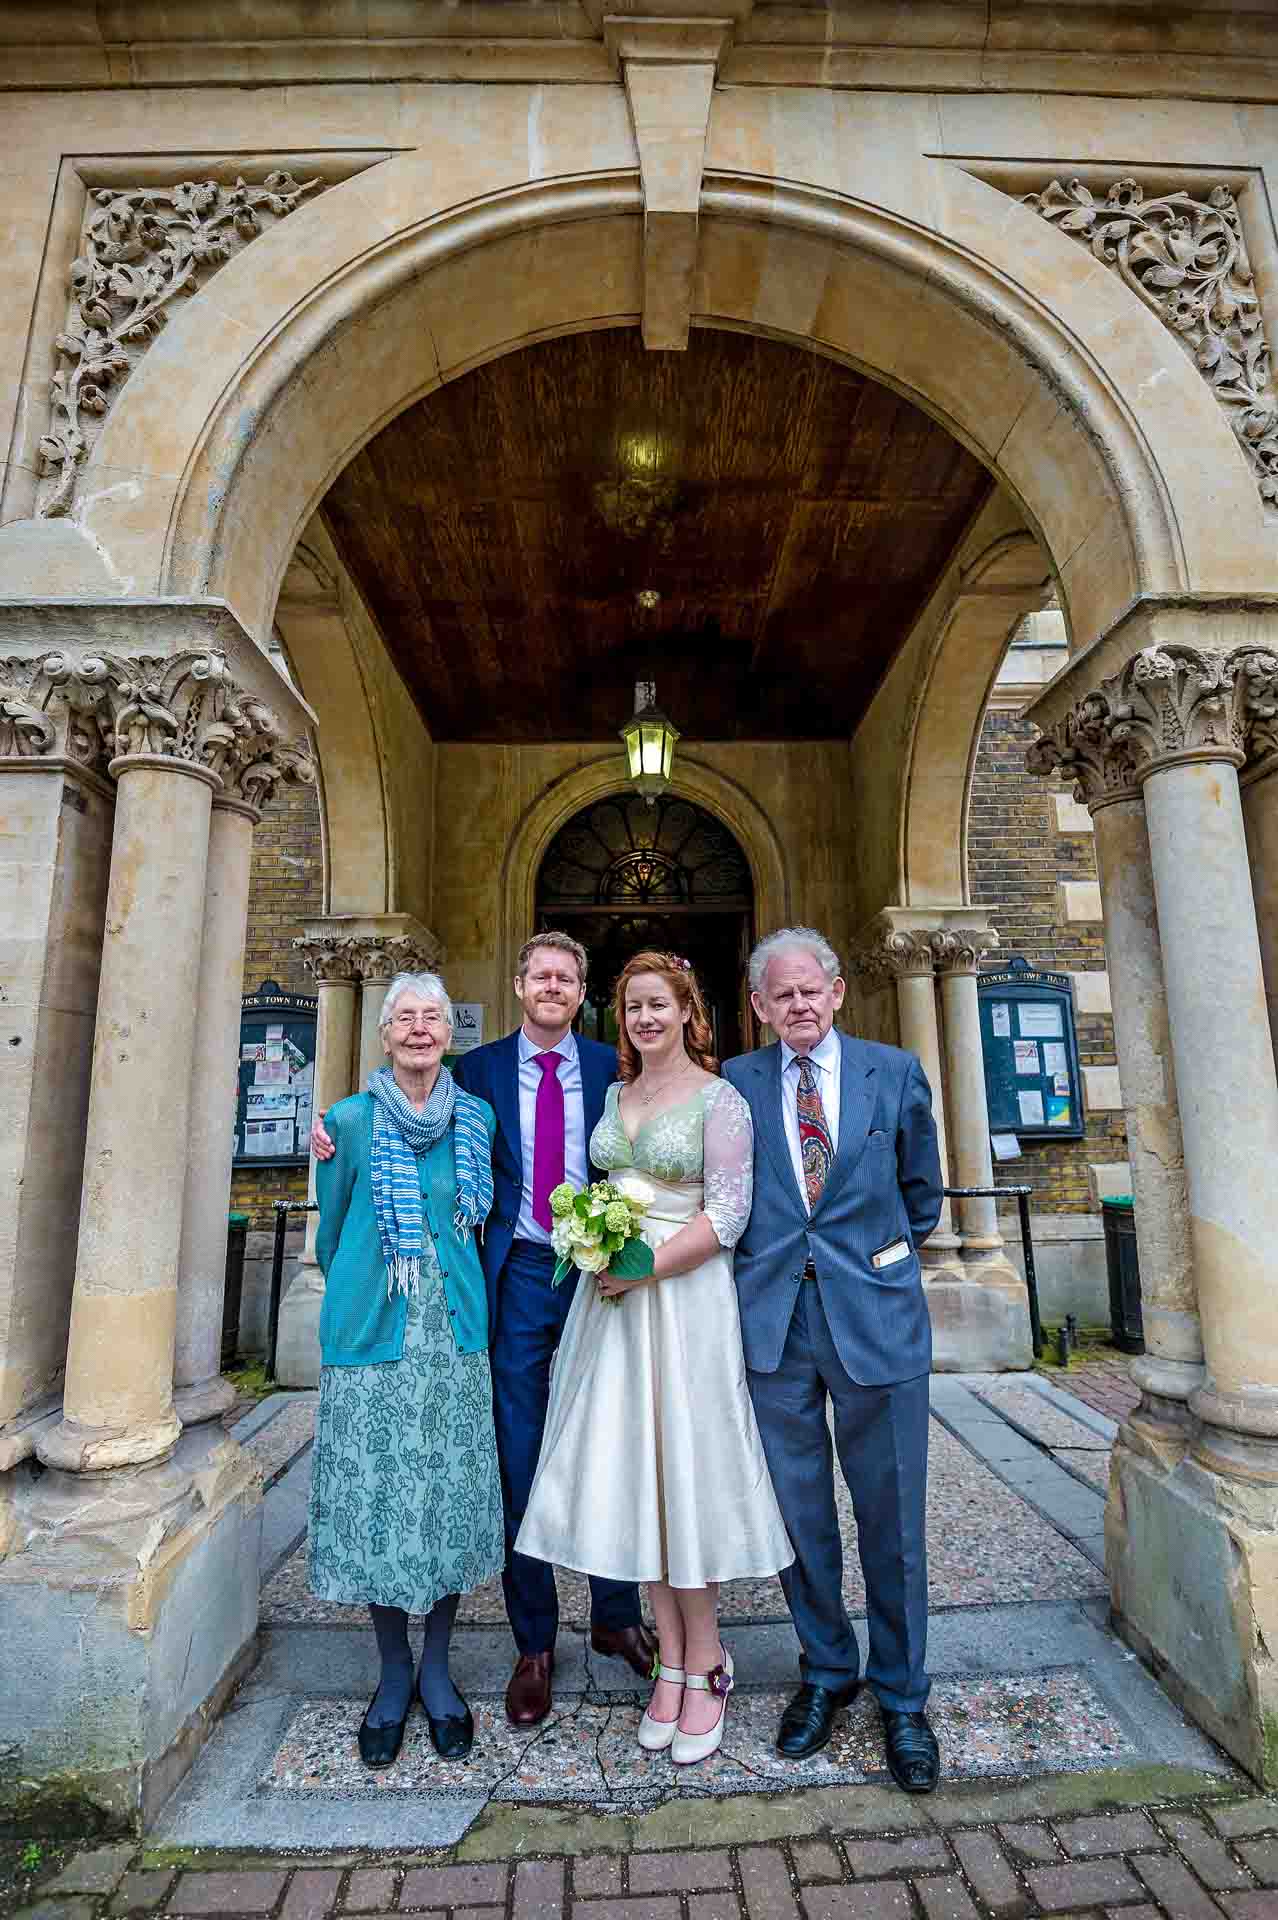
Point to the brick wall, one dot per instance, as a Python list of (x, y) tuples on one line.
[(1016, 858), (285, 888)]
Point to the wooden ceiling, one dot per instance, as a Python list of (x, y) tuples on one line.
[(792, 514)]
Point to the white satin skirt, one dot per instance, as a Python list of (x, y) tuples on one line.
[(651, 1466)]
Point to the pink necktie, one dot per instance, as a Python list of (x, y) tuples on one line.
[(548, 1138)]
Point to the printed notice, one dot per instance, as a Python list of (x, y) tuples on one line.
[(1001, 1020), (468, 1025), (270, 1103), (1006, 1146), (1058, 1112), (1054, 1060), (265, 1139), (274, 1050), (1040, 1021), (1030, 1102), (1026, 1052), (1060, 1083), (271, 1073)]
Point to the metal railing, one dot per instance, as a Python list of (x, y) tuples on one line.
[(283, 1208), (1022, 1197)]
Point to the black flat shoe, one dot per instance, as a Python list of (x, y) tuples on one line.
[(807, 1721), (454, 1735), (379, 1746), (913, 1757)]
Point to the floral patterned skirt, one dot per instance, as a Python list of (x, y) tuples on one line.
[(405, 1492)]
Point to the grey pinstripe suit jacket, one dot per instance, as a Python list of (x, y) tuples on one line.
[(885, 1184)]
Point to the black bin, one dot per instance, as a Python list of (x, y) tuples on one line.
[(1123, 1268), (236, 1240)]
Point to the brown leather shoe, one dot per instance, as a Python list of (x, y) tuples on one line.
[(528, 1695), (634, 1645)]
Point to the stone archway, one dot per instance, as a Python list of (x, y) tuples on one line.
[(694, 781), (623, 874)]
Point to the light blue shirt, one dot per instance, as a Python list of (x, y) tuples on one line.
[(576, 1165), (827, 1058)]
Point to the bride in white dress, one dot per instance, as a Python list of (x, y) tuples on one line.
[(651, 1467)]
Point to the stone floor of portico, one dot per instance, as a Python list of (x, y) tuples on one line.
[(1029, 1682)]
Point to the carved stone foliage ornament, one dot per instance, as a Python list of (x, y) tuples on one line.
[(893, 953), (960, 949), (141, 248), (331, 957), (1166, 701), (381, 956), (96, 708), (1187, 259)]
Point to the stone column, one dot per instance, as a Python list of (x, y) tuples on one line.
[(334, 963), (978, 1303), (1260, 820), (1171, 1366), (957, 953), (118, 1399), (200, 1392), (1193, 1509)]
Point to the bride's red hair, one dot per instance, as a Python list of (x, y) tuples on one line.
[(698, 1034)]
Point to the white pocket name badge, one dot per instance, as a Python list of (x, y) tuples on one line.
[(890, 1256)]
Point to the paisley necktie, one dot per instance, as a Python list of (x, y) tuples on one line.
[(816, 1149)]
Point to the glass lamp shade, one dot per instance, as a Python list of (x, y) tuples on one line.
[(650, 743)]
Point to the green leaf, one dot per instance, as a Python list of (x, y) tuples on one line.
[(634, 1261), (564, 1266), (581, 1205)]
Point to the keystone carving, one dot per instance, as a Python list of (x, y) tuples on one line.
[(141, 248), (95, 708), (1166, 701), (1186, 258)]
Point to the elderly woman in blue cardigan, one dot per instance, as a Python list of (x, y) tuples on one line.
[(406, 1511)]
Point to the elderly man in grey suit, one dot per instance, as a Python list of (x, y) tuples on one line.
[(847, 1185)]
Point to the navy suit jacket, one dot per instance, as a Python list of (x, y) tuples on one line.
[(885, 1185), (492, 1072)]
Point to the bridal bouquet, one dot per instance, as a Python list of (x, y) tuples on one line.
[(600, 1227)]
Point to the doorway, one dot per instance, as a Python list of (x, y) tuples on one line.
[(622, 875)]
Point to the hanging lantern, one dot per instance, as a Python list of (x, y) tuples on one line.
[(650, 743)]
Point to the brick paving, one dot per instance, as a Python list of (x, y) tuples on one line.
[(1184, 1862), (1101, 1377)]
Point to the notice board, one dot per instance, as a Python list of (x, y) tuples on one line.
[(276, 1078), (1032, 1083)]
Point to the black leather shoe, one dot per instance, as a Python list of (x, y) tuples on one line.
[(806, 1722), (913, 1757), (454, 1735), (379, 1746)]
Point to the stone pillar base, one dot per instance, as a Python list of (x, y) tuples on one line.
[(297, 1348), (133, 1596), (1193, 1567), (205, 1400), (980, 1316)]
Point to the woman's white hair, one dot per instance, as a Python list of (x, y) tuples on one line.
[(806, 938), (428, 986)]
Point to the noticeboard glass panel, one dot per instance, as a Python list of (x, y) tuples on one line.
[(276, 1078), (1033, 1086)]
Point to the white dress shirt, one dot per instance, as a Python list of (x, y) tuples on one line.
[(827, 1058), (575, 1162)]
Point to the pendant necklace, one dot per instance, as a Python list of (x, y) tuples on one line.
[(648, 1098)]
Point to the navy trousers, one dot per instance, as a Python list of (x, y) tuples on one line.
[(881, 1436), (530, 1319)]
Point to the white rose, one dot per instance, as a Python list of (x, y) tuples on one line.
[(591, 1259), (561, 1235)]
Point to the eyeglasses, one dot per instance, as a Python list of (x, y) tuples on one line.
[(407, 1022)]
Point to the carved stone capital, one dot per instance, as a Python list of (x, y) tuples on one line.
[(1167, 703), (382, 956), (894, 953), (1184, 255), (960, 949), (330, 959)]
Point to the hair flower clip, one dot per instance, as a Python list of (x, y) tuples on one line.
[(677, 960)]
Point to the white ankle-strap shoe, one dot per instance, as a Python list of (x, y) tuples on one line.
[(687, 1748), (656, 1735)]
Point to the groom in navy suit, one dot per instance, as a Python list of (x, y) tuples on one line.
[(546, 1086), (847, 1186)]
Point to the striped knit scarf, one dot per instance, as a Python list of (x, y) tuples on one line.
[(400, 1136)]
